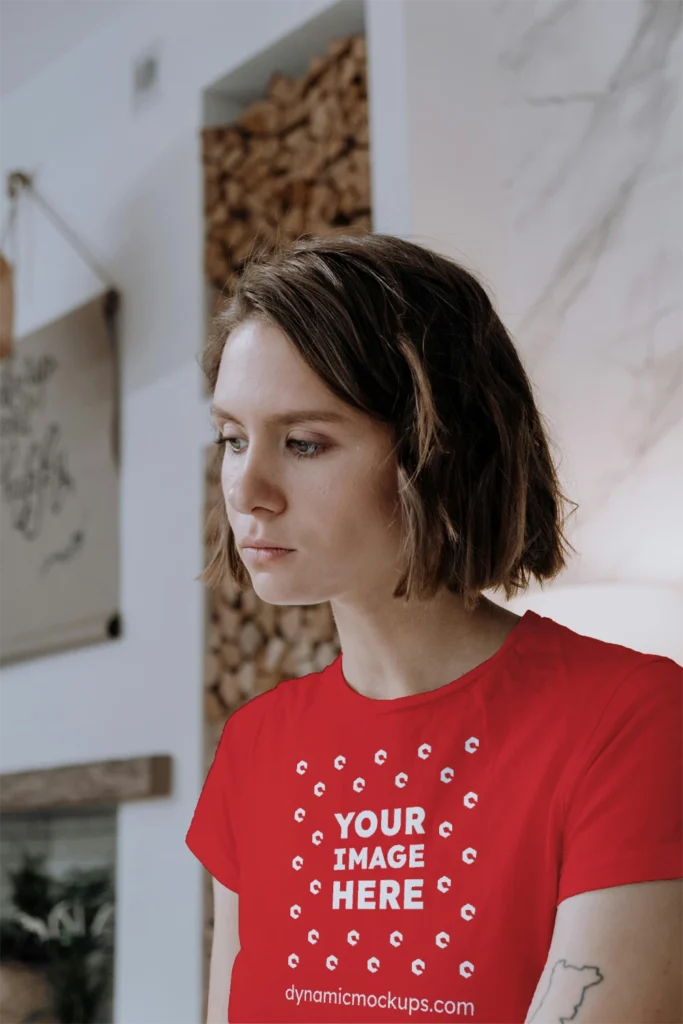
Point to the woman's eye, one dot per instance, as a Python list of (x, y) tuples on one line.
[(226, 441), (314, 448), (310, 448)]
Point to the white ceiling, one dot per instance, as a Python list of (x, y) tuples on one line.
[(35, 32)]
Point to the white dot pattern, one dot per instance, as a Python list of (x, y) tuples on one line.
[(395, 938)]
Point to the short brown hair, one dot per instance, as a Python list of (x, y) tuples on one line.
[(411, 338)]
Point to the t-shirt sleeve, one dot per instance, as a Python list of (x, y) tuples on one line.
[(211, 835), (623, 821)]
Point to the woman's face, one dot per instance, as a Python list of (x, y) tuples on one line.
[(303, 470)]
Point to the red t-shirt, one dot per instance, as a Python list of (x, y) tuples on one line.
[(403, 859)]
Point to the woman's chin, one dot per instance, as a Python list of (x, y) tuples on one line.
[(286, 585), (279, 591)]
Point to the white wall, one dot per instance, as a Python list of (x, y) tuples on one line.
[(434, 90), (35, 34), (130, 184), (544, 152)]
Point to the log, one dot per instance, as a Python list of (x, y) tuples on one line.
[(230, 621), (230, 593), (229, 690), (359, 225), (290, 622), (338, 48), (261, 118), (267, 617), (325, 655), (251, 639), (230, 656), (211, 668), (325, 118), (273, 654), (213, 637), (266, 681), (293, 221), (250, 601), (214, 709), (283, 91), (246, 675), (323, 203), (232, 158)]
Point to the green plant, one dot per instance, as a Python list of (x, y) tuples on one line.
[(67, 926)]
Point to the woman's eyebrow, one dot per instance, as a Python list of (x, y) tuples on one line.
[(286, 418)]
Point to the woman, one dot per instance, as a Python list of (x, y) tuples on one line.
[(392, 836)]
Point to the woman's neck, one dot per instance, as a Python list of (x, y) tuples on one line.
[(398, 649)]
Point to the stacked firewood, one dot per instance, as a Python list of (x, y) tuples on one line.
[(293, 163)]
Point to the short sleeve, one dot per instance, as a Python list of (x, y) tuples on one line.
[(623, 821), (211, 835)]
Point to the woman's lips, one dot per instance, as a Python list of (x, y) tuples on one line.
[(264, 555)]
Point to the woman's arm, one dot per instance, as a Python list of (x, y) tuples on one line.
[(224, 949)]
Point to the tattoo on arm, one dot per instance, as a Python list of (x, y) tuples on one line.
[(573, 982)]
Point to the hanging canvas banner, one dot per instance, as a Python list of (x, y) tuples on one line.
[(59, 488), (6, 307)]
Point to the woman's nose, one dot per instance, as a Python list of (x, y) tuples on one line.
[(253, 486)]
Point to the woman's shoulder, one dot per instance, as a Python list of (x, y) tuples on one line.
[(586, 671), (556, 642)]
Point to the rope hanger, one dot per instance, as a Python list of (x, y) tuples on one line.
[(19, 181)]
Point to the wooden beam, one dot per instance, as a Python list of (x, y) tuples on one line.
[(91, 784)]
